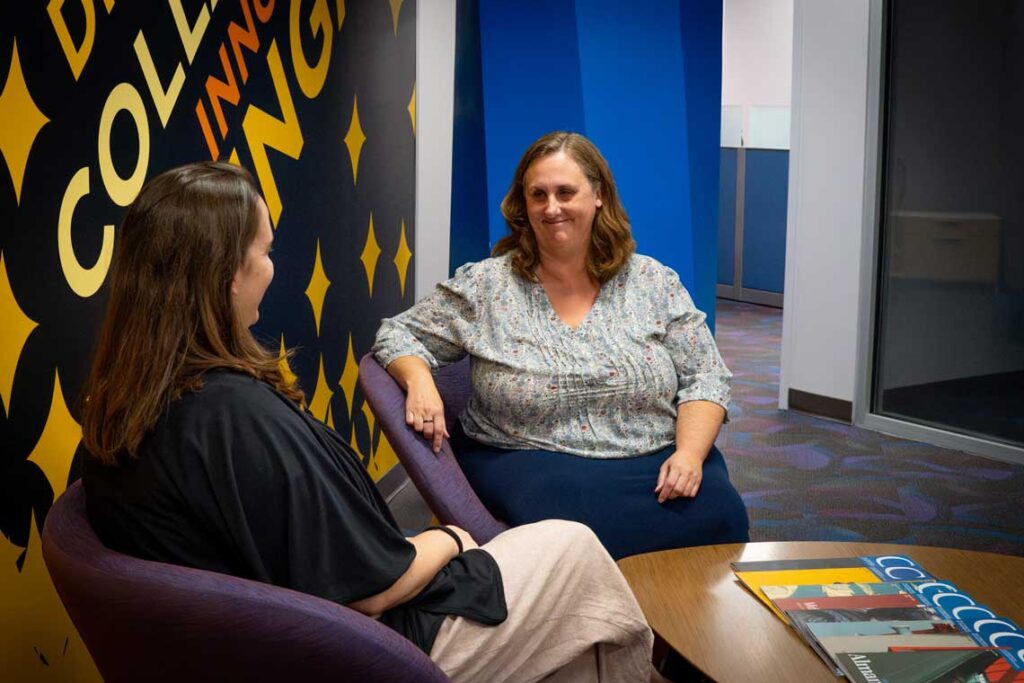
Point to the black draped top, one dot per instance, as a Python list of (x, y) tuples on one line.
[(235, 478)]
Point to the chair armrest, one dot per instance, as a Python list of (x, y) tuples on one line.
[(438, 477)]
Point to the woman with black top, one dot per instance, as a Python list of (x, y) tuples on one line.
[(202, 456)]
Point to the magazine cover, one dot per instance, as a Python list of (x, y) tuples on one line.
[(834, 590), (880, 628), (802, 618), (885, 567), (978, 665), (834, 645), (894, 600), (867, 569)]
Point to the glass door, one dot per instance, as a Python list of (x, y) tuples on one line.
[(949, 346)]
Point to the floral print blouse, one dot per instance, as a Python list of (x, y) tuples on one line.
[(606, 389)]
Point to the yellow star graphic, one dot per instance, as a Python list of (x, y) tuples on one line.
[(370, 419), (402, 258), (349, 376), (341, 13), (354, 139), (282, 362), (371, 252), (22, 123), (17, 327), (321, 401), (412, 109), (355, 444), (56, 447), (384, 458), (45, 629), (396, 7), (316, 290)]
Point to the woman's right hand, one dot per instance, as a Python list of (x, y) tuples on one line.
[(424, 410)]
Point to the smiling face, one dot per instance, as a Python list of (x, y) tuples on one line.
[(257, 270), (560, 204)]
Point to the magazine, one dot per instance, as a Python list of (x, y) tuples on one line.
[(968, 665), (843, 570), (851, 631)]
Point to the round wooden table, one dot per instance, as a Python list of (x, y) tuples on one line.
[(695, 604)]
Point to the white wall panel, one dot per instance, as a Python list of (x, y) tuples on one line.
[(826, 192), (435, 98)]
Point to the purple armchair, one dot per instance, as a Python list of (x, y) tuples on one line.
[(151, 621), (438, 478)]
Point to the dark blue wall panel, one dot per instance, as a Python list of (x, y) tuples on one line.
[(727, 216), (764, 219), (701, 22), (469, 240)]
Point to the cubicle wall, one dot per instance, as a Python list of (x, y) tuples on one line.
[(753, 191)]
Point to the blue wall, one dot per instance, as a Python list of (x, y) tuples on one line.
[(643, 84), (469, 240)]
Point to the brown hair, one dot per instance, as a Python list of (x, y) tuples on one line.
[(611, 241), (170, 318)]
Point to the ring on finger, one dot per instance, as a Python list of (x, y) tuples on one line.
[(428, 420)]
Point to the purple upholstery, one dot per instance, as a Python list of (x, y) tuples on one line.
[(151, 621), (438, 478)]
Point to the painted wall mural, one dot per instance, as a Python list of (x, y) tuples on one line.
[(316, 97)]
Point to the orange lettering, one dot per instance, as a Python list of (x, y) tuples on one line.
[(218, 90), (204, 123), (247, 36), (264, 11)]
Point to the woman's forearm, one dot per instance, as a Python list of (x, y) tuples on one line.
[(410, 370), (697, 426), (434, 549)]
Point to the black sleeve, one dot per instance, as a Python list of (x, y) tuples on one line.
[(293, 508)]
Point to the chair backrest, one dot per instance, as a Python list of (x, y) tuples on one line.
[(152, 621), (438, 477)]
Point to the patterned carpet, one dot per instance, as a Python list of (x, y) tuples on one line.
[(805, 478)]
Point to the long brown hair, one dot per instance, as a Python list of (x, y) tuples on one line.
[(611, 240), (169, 318)]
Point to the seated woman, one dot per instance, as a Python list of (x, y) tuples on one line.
[(597, 389), (200, 455)]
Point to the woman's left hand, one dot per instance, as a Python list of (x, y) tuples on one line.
[(680, 475)]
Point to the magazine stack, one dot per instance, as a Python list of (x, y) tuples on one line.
[(884, 619)]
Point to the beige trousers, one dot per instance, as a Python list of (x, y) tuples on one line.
[(571, 616)]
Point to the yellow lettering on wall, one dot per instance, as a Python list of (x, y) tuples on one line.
[(311, 78), (163, 99), (262, 130), (76, 56), (124, 97), (83, 281), (191, 36)]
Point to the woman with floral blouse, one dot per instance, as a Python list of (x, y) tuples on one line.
[(598, 390)]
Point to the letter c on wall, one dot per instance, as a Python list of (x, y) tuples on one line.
[(83, 281)]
